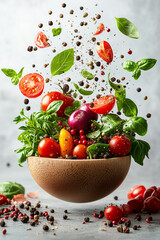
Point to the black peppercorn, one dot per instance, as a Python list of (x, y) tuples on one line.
[(65, 217), (40, 25), (52, 210), (45, 227), (86, 219), (135, 227), (128, 223), (32, 224), (25, 219), (148, 115), (22, 204), (50, 23), (78, 43), (110, 224), (28, 108), (63, 5), (30, 49), (2, 223), (78, 58), (65, 88), (26, 101)]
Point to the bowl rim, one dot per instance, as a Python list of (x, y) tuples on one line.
[(79, 160)]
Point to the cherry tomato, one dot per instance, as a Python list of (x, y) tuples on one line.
[(152, 204), (148, 192), (105, 51), (80, 151), (48, 147), (31, 85), (113, 213), (120, 145), (3, 199), (136, 191), (65, 142), (135, 204), (103, 105), (41, 40), (54, 96), (100, 29), (126, 209)]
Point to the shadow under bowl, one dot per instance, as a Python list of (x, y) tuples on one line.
[(79, 180)]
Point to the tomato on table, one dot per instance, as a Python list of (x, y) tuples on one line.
[(3, 199), (135, 204), (80, 151), (100, 29), (49, 148), (137, 190), (65, 142), (32, 85), (113, 213), (105, 51), (55, 96), (120, 145), (41, 40), (103, 105)]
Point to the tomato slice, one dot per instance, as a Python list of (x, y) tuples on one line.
[(105, 51), (103, 105), (100, 29), (32, 85), (41, 40)]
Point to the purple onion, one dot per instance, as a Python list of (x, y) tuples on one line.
[(91, 115), (78, 120)]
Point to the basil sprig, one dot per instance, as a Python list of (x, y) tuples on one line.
[(139, 149), (62, 62), (129, 108), (56, 31), (81, 90), (111, 124), (127, 28), (69, 110), (9, 189), (87, 75), (144, 64), (15, 77)]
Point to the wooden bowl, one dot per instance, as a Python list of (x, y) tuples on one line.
[(79, 180)]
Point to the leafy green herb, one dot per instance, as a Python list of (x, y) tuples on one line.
[(54, 106), (111, 123), (136, 124), (146, 64), (128, 65), (87, 75), (69, 110), (94, 134), (81, 90), (127, 28), (129, 108), (62, 62), (136, 73), (56, 31), (13, 75), (97, 148), (120, 93), (139, 150), (9, 189)]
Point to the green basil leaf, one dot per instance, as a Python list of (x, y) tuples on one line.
[(69, 110), (128, 65), (146, 64), (120, 93), (139, 150), (136, 124), (81, 90), (56, 31), (94, 134), (87, 75), (136, 73), (15, 80), (62, 62), (19, 119), (54, 106), (97, 148), (111, 123), (127, 28), (129, 108), (9, 189), (19, 75), (9, 72)]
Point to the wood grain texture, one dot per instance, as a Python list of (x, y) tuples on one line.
[(79, 180)]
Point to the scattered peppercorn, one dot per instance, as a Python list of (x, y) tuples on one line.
[(24, 219), (81, 83), (28, 108), (50, 23), (26, 101), (21, 205), (40, 25), (116, 198), (138, 89), (126, 230), (127, 223), (50, 12), (45, 227), (52, 210), (85, 14), (148, 115), (121, 56), (64, 44), (61, 15), (35, 48), (138, 217), (2, 223), (145, 97), (71, 11), (81, 23), (33, 65), (110, 224), (78, 43), (78, 58), (91, 104), (86, 219), (32, 224), (135, 227), (30, 49), (63, 5), (65, 217), (4, 231), (81, 8), (98, 16)]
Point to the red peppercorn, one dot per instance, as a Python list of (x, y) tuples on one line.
[(31, 217), (6, 217), (1, 213), (81, 132), (83, 137), (20, 215), (13, 207), (147, 220), (80, 142), (130, 51), (84, 142), (4, 231), (83, 223), (16, 210), (95, 215), (115, 222), (102, 67), (24, 214), (108, 29), (35, 220), (101, 215), (102, 73), (59, 123), (46, 214), (75, 141), (73, 131), (64, 125)]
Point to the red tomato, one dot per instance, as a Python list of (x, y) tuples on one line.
[(148, 192), (80, 151), (100, 29), (113, 213), (120, 145), (31, 85), (41, 40), (105, 51), (126, 209), (3, 199), (54, 96), (48, 147), (136, 191), (152, 204), (103, 105), (135, 204)]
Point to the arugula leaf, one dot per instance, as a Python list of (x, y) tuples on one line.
[(129, 108), (111, 123), (128, 65), (120, 93), (136, 73), (97, 148), (13, 75), (87, 75), (69, 110), (136, 124), (56, 31), (81, 90), (54, 106), (146, 64), (62, 62), (127, 28), (94, 134), (139, 149)]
